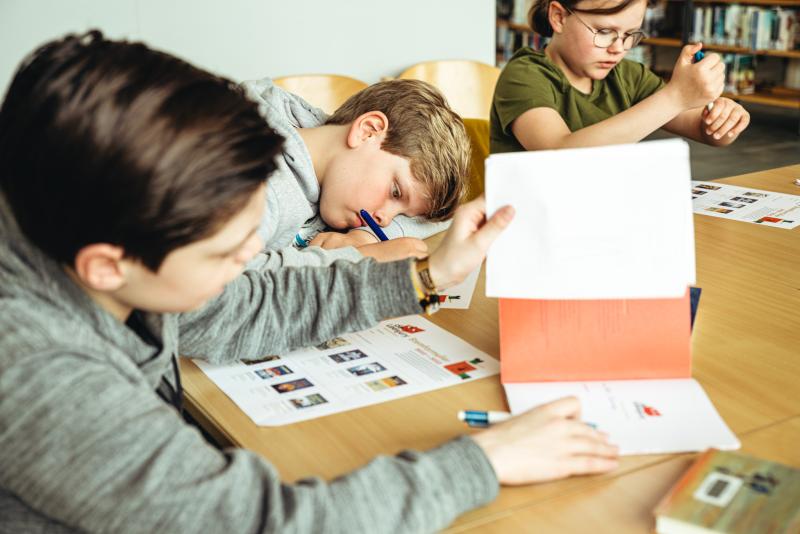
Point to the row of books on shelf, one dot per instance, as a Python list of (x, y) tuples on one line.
[(510, 40), (756, 28)]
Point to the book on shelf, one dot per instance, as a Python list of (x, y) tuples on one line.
[(752, 27), (734, 493)]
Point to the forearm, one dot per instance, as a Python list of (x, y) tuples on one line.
[(275, 311), (629, 126)]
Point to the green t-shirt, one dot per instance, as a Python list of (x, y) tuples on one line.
[(530, 80)]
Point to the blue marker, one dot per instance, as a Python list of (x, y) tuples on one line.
[(372, 224), (482, 419), (698, 56)]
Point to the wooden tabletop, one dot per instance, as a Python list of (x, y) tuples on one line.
[(746, 355)]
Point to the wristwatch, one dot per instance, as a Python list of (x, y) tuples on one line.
[(429, 300)]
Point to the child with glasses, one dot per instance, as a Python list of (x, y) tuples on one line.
[(581, 91)]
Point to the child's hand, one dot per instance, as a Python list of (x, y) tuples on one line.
[(726, 118), (697, 84), (546, 443), (395, 249), (353, 238), (466, 242)]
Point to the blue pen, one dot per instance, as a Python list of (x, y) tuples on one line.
[(372, 224), (698, 56)]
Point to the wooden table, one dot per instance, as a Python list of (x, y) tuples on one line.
[(746, 348)]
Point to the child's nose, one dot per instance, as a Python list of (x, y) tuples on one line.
[(617, 46), (384, 216)]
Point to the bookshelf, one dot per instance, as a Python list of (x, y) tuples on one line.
[(763, 75), (765, 33)]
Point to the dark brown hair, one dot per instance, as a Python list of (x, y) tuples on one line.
[(540, 22), (111, 142)]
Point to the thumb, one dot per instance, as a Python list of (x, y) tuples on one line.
[(494, 226), (688, 52)]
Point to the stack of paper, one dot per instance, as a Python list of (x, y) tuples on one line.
[(592, 276)]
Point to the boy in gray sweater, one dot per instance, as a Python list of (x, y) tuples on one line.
[(394, 149), (126, 218)]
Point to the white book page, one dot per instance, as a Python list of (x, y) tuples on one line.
[(640, 416), (609, 222), (395, 359)]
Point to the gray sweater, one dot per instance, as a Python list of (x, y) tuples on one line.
[(293, 190), (88, 445)]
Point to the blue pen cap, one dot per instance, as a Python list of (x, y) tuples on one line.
[(699, 55)]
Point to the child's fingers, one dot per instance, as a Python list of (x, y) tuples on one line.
[(493, 227), (724, 112), (744, 121), (590, 465), (566, 407), (688, 52), (716, 111), (727, 126)]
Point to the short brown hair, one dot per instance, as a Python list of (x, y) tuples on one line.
[(423, 129), (107, 141), (540, 21)]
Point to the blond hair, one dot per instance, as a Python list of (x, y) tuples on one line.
[(423, 129)]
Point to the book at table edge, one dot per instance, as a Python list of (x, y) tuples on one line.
[(682, 492)]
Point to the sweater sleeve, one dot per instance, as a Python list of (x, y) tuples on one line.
[(88, 449), (268, 311)]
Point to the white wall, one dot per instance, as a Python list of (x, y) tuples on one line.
[(246, 39)]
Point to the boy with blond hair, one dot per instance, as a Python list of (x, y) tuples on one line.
[(394, 149)]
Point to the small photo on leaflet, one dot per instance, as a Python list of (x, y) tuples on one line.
[(367, 369), (307, 402), (347, 356), (385, 383), (272, 372), (294, 385), (332, 343)]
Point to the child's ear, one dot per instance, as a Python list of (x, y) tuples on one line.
[(100, 266), (371, 126), (556, 14)]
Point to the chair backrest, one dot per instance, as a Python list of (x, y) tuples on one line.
[(478, 132), (467, 85), (325, 91)]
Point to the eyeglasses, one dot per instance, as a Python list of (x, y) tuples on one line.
[(605, 37)]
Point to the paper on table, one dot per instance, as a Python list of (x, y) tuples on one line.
[(396, 358), (593, 223), (460, 295), (766, 208), (640, 416)]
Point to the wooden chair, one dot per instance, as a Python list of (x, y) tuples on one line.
[(467, 85), (478, 132), (326, 91)]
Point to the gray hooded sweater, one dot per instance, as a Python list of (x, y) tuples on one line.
[(88, 445), (293, 191)]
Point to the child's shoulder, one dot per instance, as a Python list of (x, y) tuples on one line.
[(531, 67)]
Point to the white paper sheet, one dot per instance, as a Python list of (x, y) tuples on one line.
[(460, 295), (747, 205), (397, 358), (593, 223), (640, 416)]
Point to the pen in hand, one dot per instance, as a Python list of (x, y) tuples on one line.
[(373, 225), (699, 55)]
